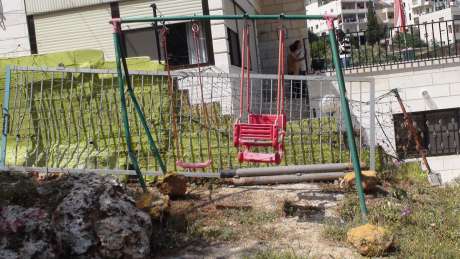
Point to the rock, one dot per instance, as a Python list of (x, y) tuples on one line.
[(368, 180), (174, 185), (74, 216), (370, 240), (98, 219), (25, 233), (154, 203)]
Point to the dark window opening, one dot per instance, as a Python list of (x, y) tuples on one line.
[(32, 36), (114, 10), (141, 43), (439, 132), (235, 49), (182, 50)]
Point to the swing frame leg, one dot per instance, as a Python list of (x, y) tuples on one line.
[(123, 75)]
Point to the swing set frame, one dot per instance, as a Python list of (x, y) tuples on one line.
[(123, 78)]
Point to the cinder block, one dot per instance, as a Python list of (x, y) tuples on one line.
[(446, 76), (218, 32), (455, 89), (432, 90), (215, 4)]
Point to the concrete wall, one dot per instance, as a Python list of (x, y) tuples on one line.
[(267, 30), (14, 40), (440, 79)]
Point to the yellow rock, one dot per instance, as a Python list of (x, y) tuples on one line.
[(368, 180), (370, 240), (154, 203)]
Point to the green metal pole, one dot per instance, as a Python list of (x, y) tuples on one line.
[(124, 112), (347, 117), (153, 146)]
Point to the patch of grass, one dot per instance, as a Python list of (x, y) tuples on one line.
[(425, 221), (275, 254), (231, 225)]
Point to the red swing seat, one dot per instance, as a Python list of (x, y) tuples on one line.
[(180, 163), (261, 130), (189, 165)]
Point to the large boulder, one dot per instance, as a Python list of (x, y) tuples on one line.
[(81, 216), (370, 240), (368, 180), (98, 217)]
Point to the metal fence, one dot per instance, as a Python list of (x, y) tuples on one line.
[(391, 45), (68, 118)]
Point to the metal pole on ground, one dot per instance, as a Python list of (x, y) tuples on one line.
[(347, 117)]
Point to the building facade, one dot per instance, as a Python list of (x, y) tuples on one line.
[(14, 39), (352, 15)]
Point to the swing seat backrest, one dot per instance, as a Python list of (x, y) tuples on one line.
[(261, 130), (273, 119)]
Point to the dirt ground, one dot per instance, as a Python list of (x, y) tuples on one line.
[(239, 222)]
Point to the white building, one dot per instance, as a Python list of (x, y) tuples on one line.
[(385, 12), (434, 20), (14, 40), (352, 15)]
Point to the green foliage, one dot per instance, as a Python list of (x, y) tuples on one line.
[(408, 39), (374, 30), (425, 221)]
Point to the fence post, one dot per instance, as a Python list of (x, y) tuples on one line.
[(347, 117), (6, 116), (372, 126)]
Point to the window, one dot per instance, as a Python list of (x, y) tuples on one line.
[(438, 129), (141, 43), (181, 45), (449, 28), (410, 16), (234, 45), (391, 15), (32, 36), (441, 19), (457, 28), (115, 10)]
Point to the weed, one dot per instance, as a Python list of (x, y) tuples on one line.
[(425, 221), (275, 254)]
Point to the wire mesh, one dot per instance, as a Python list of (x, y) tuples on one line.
[(69, 118)]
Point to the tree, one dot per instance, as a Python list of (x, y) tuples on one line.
[(374, 31)]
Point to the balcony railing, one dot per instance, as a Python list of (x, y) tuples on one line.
[(391, 45)]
